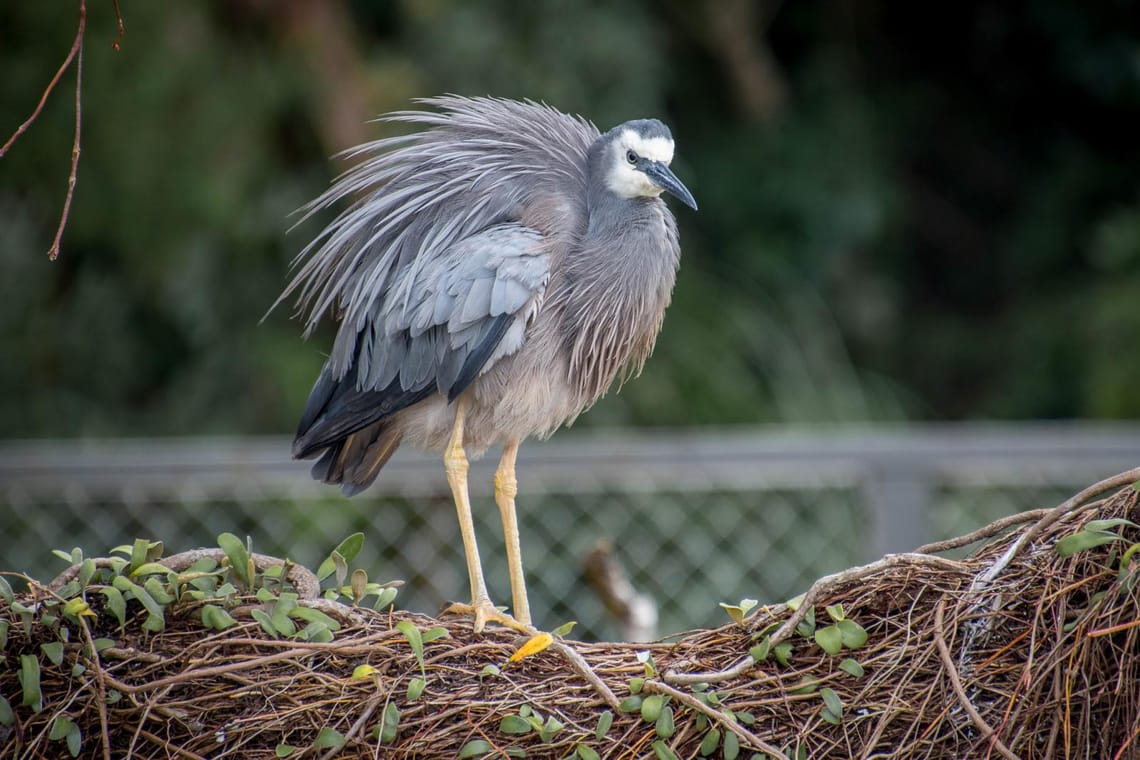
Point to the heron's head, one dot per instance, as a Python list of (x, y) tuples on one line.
[(636, 158)]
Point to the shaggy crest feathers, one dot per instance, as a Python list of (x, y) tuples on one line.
[(478, 160)]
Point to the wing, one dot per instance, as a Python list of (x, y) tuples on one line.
[(460, 313), (413, 197)]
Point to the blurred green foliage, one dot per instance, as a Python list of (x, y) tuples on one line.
[(907, 211)]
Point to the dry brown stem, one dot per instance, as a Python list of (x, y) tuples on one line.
[(956, 682)]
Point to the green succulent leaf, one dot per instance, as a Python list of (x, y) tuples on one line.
[(710, 742), (586, 752), (605, 721), (264, 621), (852, 634), (515, 724), (731, 746), (236, 553), (53, 651), (830, 639), (665, 726), (563, 631), (806, 685), (550, 728), (630, 704), (115, 603), (474, 748), (415, 640), (138, 553), (29, 677), (59, 727), (1083, 540), (831, 701), (806, 626), (651, 708), (431, 634), (1109, 523), (329, 737), (390, 725)]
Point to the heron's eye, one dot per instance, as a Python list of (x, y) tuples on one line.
[(631, 156)]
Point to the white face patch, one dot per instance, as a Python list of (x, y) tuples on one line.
[(624, 179)]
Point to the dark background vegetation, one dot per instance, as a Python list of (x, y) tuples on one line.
[(908, 211)]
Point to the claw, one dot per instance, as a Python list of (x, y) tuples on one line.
[(484, 611)]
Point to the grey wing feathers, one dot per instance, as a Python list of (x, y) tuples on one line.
[(454, 307), (462, 309)]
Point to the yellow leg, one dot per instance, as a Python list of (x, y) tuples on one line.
[(455, 463), (506, 487)]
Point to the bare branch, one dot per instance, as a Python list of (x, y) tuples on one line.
[(75, 48)]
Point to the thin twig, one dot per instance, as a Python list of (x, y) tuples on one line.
[(956, 682), (1120, 752), (151, 704), (987, 531), (579, 664), (216, 670), (750, 739), (168, 747), (53, 252), (1113, 629), (75, 46), (101, 685), (119, 19)]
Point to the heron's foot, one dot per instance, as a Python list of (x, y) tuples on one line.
[(484, 611)]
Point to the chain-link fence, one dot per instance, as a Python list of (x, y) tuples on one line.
[(696, 518)]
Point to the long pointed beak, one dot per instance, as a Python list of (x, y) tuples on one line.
[(665, 179)]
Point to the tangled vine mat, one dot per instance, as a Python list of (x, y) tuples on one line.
[(1028, 649)]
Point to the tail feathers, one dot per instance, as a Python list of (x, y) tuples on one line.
[(356, 460), (337, 410)]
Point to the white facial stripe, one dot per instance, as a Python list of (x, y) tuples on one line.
[(624, 179), (653, 148), (628, 182)]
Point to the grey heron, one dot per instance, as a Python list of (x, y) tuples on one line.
[(493, 274)]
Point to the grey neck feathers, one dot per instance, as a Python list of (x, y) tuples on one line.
[(609, 213), (614, 290)]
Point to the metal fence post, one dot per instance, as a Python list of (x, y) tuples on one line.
[(899, 499)]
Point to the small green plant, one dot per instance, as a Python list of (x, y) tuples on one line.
[(841, 634), (134, 587), (356, 587), (737, 612), (1095, 533), (416, 640), (527, 720), (832, 710)]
